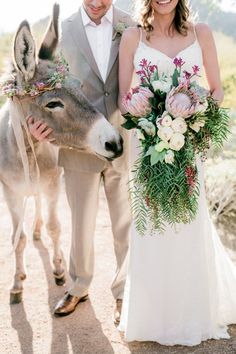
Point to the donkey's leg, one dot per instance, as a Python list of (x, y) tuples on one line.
[(53, 227), (38, 221), (15, 205)]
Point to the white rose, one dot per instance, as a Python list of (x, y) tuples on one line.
[(179, 125), (158, 122), (165, 133), (140, 135), (169, 157), (147, 126), (177, 141), (197, 126), (165, 113), (162, 85), (166, 121)]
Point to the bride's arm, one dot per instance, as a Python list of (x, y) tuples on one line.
[(128, 45), (210, 61)]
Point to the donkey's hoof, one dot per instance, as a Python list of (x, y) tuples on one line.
[(16, 298), (60, 279), (36, 235)]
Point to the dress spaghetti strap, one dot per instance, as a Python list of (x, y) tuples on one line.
[(140, 34), (195, 33)]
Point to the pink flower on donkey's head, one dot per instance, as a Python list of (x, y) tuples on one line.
[(137, 102), (40, 85)]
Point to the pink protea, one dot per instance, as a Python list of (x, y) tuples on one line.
[(181, 102), (137, 102)]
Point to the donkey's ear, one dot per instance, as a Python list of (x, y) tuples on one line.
[(24, 51), (51, 37)]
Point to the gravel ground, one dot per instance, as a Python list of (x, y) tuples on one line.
[(30, 327)]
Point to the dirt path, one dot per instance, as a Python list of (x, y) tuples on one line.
[(30, 327)]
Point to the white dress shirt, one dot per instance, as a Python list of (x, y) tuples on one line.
[(100, 38)]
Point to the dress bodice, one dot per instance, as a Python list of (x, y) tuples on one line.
[(191, 55)]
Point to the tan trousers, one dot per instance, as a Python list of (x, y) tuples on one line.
[(82, 190)]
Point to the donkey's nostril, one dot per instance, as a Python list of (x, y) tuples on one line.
[(112, 146)]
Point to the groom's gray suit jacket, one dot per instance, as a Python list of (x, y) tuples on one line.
[(103, 95)]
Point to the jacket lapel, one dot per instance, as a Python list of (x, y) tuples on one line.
[(79, 35), (115, 43)]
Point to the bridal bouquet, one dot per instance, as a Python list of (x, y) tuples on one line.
[(176, 120)]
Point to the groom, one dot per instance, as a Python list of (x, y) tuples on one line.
[(90, 44)]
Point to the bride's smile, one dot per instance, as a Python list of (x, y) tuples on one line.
[(164, 2), (164, 7)]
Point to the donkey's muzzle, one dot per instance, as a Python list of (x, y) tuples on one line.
[(115, 147), (104, 139)]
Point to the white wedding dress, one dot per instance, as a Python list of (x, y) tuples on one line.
[(181, 285)]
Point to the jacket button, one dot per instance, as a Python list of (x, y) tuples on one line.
[(106, 94)]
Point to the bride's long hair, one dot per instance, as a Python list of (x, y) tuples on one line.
[(144, 14)]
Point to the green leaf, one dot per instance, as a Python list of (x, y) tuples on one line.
[(155, 76), (157, 156), (127, 115), (175, 78), (129, 124), (150, 150)]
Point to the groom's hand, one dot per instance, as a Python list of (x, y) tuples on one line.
[(39, 129)]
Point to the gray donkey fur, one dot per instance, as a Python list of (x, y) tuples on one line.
[(75, 123)]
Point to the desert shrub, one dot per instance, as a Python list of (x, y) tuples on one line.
[(220, 180)]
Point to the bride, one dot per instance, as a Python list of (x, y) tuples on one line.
[(181, 285)]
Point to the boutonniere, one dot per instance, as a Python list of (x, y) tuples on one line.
[(119, 29)]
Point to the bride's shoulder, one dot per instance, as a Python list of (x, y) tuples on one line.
[(131, 36), (132, 33), (204, 34), (202, 29)]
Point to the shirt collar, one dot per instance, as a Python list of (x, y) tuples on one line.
[(87, 21)]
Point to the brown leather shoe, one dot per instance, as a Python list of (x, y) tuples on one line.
[(68, 304), (117, 311)]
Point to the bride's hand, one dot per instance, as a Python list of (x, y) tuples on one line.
[(218, 96)]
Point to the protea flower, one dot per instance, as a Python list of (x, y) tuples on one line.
[(137, 102), (181, 102)]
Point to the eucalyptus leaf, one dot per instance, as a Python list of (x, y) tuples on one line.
[(150, 150), (157, 157)]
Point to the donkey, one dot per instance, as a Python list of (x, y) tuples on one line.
[(75, 122)]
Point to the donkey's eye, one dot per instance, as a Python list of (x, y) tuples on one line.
[(55, 104)]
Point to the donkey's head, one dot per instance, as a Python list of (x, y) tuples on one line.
[(75, 122)]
